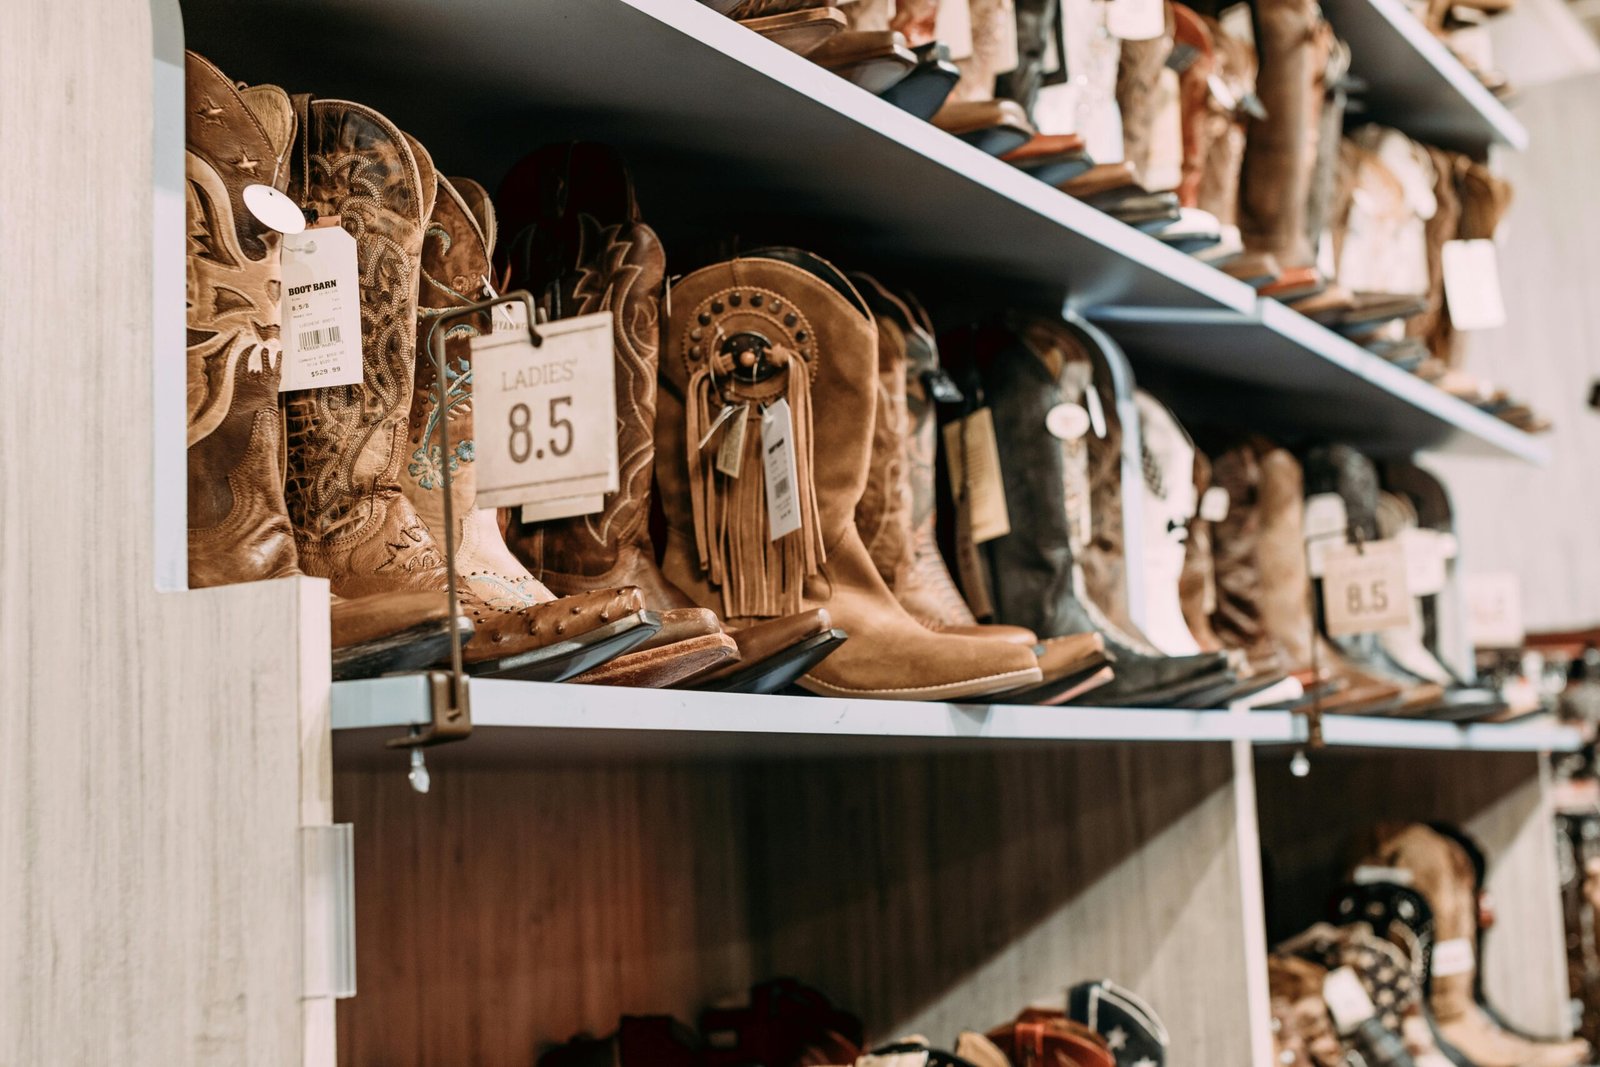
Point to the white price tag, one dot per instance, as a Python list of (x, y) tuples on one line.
[(1369, 875), (1214, 505), (1472, 285), (1453, 957), (1097, 411), (1347, 1000), (321, 305), (546, 416), (1136, 20), (777, 458), (1327, 526), (1494, 609), (730, 454), (952, 26), (1067, 422), (1364, 588), (894, 1059), (976, 464), (1427, 554), (274, 209)]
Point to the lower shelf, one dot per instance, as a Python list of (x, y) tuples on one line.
[(518, 721)]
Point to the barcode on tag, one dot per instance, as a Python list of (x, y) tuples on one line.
[(319, 338), (778, 459)]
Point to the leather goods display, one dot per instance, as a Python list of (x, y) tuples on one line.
[(1130, 1027), (1040, 1037), (577, 241), (758, 334)]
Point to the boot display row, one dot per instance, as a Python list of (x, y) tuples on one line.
[(784, 1023), (1219, 130), (1395, 974)]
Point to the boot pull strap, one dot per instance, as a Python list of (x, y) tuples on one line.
[(302, 115)]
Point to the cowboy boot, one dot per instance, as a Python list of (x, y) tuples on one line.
[(884, 515), (239, 527), (353, 523), (581, 247), (746, 335), (1148, 98), (1275, 179), (1226, 114), (1036, 569), (1197, 586), (981, 110)]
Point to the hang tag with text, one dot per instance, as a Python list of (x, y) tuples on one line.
[(1214, 504), (1428, 553), (1347, 1000), (1364, 588), (1472, 285), (777, 457), (1494, 609), (321, 307), (545, 416), (1327, 526), (1453, 957), (1067, 422), (730, 454), (1136, 20), (973, 459)]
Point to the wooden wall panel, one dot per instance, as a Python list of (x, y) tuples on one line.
[(1308, 826), (511, 909)]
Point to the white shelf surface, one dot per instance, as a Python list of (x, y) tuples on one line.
[(1414, 83), (515, 722)]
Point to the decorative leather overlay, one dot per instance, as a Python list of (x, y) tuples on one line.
[(425, 460), (346, 442)]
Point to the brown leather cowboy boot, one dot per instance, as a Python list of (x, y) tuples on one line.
[(1147, 96), (579, 246), (1197, 587), (1275, 180), (744, 336), (353, 523), (238, 522)]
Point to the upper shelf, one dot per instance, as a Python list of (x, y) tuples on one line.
[(729, 132), (1414, 83), (515, 722)]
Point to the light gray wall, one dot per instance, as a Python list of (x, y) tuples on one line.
[(1544, 524)]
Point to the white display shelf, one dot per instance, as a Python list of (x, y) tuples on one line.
[(728, 130), (1414, 83), (517, 722)]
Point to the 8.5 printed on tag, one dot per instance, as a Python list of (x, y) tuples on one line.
[(1364, 588), (321, 307)]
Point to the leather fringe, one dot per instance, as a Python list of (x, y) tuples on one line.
[(758, 577)]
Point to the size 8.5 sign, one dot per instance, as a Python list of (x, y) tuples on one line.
[(545, 417), (1364, 588)]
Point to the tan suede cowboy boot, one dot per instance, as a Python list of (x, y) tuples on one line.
[(579, 245), (744, 336), (353, 523), (239, 527)]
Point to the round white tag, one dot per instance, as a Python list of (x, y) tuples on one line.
[(1067, 421), (272, 208)]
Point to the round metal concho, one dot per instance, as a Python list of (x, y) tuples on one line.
[(750, 352)]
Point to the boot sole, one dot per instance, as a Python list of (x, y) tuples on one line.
[(667, 665), (777, 672), (564, 659), (988, 685), (417, 648)]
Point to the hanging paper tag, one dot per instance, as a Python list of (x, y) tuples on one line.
[(1214, 504), (1347, 1000), (777, 457), (321, 308), (1364, 588), (730, 454), (1370, 875), (274, 209), (1426, 558), (1238, 22), (1326, 525), (973, 459), (1067, 421), (1097, 413), (952, 27), (1222, 94), (1136, 20), (1453, 957), (895, 1059), (565, 508), (545, 417), (511, 318), (1494, 609), (1472, 285)]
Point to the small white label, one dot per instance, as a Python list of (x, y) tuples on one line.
[(1067, 421), (1214, 505), (1347, 1000), (545, 417), (1222, 94), (952, 27), (1097, 413), (510, 318), (1372, 875), (274, 209), (895, 1059), (1427, 556), (565, 508), (777, 457), (1326, 527), (1453, 957), (1364, 588), (973, 460), (1472, 285), (730, 454), (1494, 609), (1136, 20), (321, 307), (1237, 22)]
